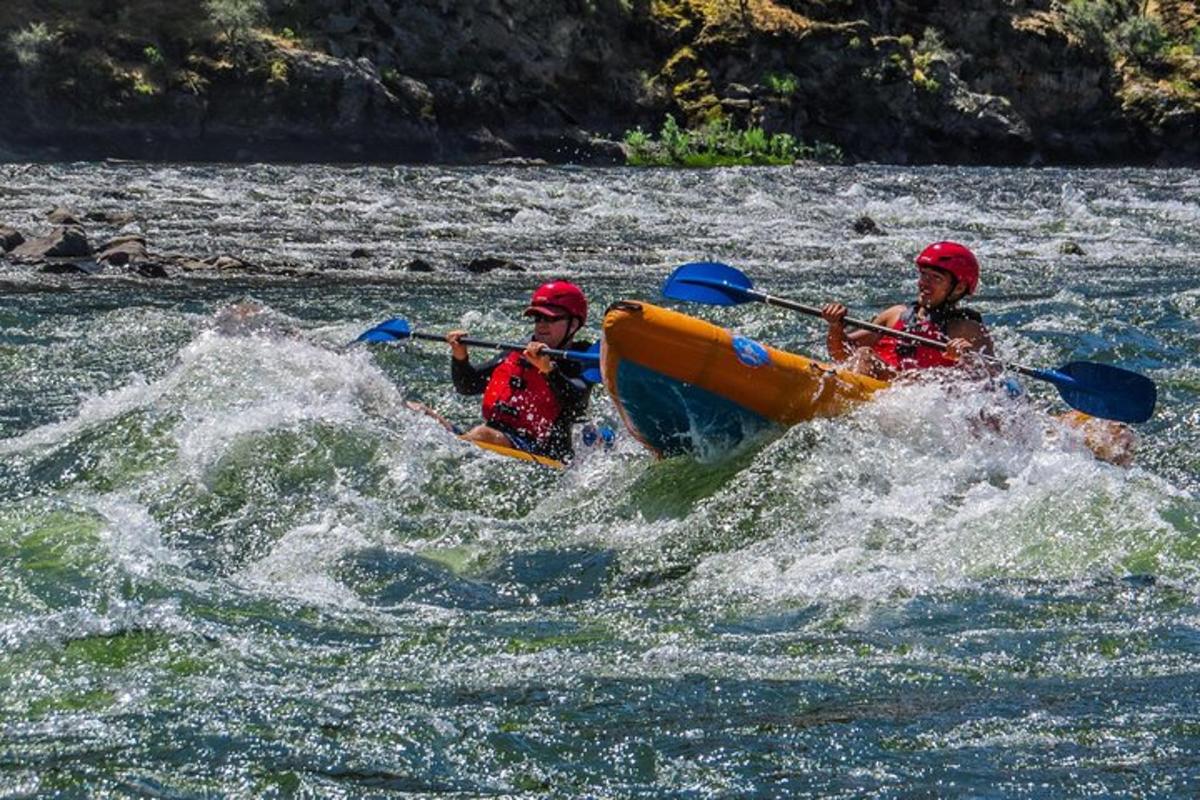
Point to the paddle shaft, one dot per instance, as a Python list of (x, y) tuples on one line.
[(772, 300), (514, 348)]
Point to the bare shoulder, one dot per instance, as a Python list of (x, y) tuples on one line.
[(889, 316), (971, 330)]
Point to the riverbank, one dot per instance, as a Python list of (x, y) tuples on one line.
[(239, 80)]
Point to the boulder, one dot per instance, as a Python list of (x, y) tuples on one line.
[(227, 263), (64, 216), (192, 264), (479, 266), (81, 267), (10, 238), (418, 265), (122, 251), (150, 269), (1071, 248), (63, 242), (110, 217), (865, 226), (360, 252)]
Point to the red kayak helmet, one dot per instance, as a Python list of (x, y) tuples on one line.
[(954, 258), (558, 299)]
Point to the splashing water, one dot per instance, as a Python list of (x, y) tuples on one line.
[(232, 561)]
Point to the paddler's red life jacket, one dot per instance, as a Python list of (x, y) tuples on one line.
[(902, 354), (519, 398)]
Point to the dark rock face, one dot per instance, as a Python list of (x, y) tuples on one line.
[(521, 81)]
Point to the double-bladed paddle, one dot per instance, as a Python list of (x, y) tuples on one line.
[(397, 329), (1100, 390)]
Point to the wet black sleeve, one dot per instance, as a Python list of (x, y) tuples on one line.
[(469, 379), (569, 386), (572, 392)]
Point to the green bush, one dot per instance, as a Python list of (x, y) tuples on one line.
[(1091, 20), (783, 84), (1142, 38), (154, 56), (720, 144), (931, 48)]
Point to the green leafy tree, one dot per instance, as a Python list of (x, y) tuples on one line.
[(234, 18)]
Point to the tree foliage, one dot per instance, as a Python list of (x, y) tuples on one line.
[(234, 18)]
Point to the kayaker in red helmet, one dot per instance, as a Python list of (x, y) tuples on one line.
[(947, 272), (529, 399)]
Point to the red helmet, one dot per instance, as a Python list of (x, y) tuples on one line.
[(558, 299), (952, 257)]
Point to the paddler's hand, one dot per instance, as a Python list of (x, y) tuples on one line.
[(533, 354), (458, 350), (834, 314), (957, 348)]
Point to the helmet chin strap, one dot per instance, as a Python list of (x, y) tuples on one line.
[(570, 334)]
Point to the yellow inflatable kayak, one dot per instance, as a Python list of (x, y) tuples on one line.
[(683, 385), (686, 386)]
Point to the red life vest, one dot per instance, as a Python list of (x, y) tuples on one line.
[(902, 354), (519, 398)]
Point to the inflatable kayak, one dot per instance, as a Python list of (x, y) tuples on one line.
[(686, 386)]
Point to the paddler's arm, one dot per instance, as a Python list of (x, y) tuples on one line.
[(572, 390), (967, 340), (842, 343)]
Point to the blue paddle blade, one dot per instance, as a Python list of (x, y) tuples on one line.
[(1104, 391), (592, 354), (389, 331), (708, 282)]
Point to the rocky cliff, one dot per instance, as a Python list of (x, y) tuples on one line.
[(902, 81)]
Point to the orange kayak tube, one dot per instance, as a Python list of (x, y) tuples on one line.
[(686, 386)]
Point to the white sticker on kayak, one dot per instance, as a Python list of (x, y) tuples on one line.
[(750, 352)]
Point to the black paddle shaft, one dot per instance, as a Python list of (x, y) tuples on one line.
[(513, 348)]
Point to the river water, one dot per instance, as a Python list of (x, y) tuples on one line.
[(234, 564)]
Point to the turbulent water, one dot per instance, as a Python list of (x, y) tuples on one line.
[(233, 563)]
